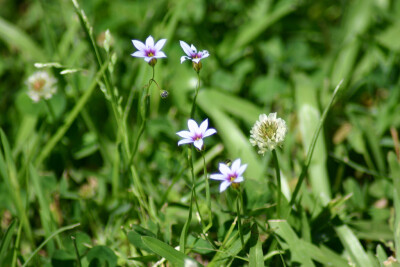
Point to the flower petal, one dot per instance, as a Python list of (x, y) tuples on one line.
[(204, 54), (193, 48), (241, 170), (238, 179), (185, 141), (147, 59), (193, 127), (203, 126), (197, 60), (218, 176), (183, 58), (185, 134), (159, 45), (235, 165), (224, 185), (139, 45), (160, 54), (224, 169), (198, 143), (209, 132), (138, 54), (186, 48), (150, 42)]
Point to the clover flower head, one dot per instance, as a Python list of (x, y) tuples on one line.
[(195, 134), (41, 85), (229, 176), (192, 53), (268, 133), (149, 51)]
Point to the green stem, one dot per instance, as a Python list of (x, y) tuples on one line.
[(312, 146), (239, 201), (50, 110), (208, 196), (144, 111), (192, 112), (278, 182), (76, 251)]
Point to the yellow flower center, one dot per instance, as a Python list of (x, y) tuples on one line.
[(150, 54)]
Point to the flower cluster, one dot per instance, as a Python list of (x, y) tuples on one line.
[(150, 52), (41, 85), (268, 132)]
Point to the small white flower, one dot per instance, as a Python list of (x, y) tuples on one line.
[(229, 176), (268, 132), (192, 53), (148, 50), (195, 134), (41, 85)]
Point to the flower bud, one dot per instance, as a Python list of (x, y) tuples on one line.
[(153, 62), (164, 94), (197, 66)]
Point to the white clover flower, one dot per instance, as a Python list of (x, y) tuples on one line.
[(41, 85), (268, 132), (195, 134), (229, 176), (192, 53), (149, 51)]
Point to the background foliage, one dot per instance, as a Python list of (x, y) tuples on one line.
[(266, 56)]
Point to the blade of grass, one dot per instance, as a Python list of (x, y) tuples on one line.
[(59, 231), (176, 258), (70, 118), (6, 240), (395, 173), (312, 145), (9, 173)]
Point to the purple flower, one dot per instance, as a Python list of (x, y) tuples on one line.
[(195, 134), (149, 51), (228, 175), (192, 53)]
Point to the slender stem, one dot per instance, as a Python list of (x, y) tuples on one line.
[(208, 197), (239, 202), (145, 109), (76, 251), (195, 97), (51, 110), (278, 182)]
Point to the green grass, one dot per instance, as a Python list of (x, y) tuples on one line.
[(94, 175)]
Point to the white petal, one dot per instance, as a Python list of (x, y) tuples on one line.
[(193, 127), (159, 45), (183, 58), (209, 132), (186, 48), (197, 60), (147, 59), (224, 169), (203, 126), (138, 54), (150, 42), (193, 48), (185, 141), (218, 176), (185, 134), (239, 179), (204, 54), (139, 45), (235, 166), (160, 54), (198, 143), (224, 185), (241, 170)]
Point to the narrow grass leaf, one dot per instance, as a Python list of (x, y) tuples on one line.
[(353, 246), (256, 258), (6, 240), (176, 258), (59, 231), (15, 37), (395, 173)]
